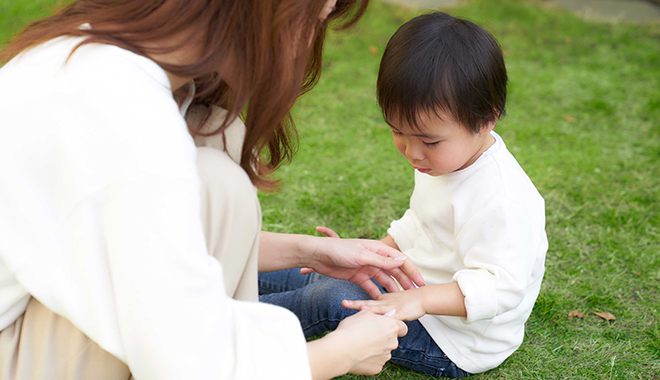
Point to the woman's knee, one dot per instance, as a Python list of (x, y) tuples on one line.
[(227, 192), (231, 218), (219, 172)]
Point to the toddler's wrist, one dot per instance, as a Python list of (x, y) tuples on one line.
[(425, 299)]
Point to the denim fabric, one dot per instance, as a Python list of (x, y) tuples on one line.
[(316, 300)]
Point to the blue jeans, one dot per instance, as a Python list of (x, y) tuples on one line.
[(316, 300)]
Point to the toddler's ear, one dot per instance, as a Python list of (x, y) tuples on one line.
[(489, 124)]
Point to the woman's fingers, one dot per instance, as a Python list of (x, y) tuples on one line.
[(370, 337), (384, 250), (327, 232), (403, 329), (373, 253), (405, 282), (406, 274), (387, 281), (371, 288), (412, 273), (373, 257), (388, 258)]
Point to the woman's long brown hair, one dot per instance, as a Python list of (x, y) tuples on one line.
[(263, 44)]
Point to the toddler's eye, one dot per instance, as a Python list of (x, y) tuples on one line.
[(396, 133), (432, 143)]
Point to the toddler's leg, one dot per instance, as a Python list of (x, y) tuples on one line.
[(318, 305), (418, 351)]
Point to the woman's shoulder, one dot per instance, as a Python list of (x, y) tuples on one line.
[(63, 66), (110, 63), (103, 102)]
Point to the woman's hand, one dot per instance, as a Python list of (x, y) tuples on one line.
[(361, 345), (369, 339), (407, 306), (359, 260)]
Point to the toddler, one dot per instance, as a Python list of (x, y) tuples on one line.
[(475, 228)]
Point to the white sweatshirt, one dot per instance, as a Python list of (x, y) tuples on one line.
[(484, 227), (100, 221)]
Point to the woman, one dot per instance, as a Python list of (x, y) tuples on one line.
[(107, 268)]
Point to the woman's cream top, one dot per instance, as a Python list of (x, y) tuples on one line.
[(100, 221)]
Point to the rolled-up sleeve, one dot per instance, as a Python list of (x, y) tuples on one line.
[(497, 249)]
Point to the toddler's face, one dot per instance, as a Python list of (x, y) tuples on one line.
[(442, 145)]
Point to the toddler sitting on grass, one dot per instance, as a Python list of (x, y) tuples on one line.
[(476, 224)]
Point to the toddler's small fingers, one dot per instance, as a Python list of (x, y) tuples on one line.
[(350, 305)]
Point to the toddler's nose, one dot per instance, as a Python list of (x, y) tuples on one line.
[(413, 154)]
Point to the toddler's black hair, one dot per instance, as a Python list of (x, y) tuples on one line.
[(436, 62)]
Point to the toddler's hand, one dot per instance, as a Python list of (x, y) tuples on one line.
[(408, 305)]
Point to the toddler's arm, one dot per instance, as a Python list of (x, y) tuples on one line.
[(439, 299), (389, 241)]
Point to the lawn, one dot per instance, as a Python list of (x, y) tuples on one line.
[(583, 120)]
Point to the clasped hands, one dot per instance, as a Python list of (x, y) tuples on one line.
[(365, 339), (360, 260)]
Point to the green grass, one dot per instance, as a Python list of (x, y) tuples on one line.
[(599, 173), (16, 14)]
